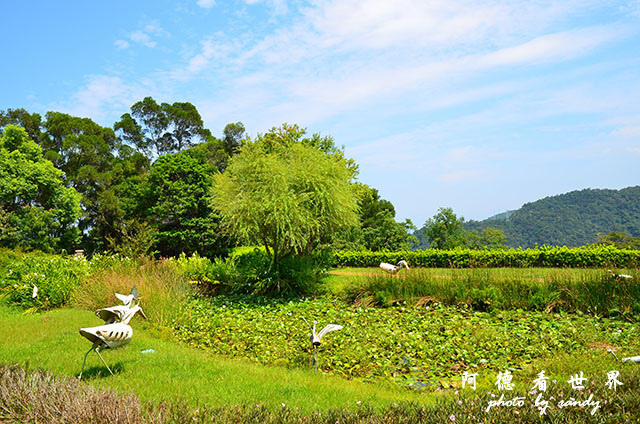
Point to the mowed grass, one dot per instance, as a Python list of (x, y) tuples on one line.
[(51, 341)]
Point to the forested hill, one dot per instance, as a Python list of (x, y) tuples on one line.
[(571, 219)]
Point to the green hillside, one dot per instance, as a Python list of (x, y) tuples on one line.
[(572, 219)]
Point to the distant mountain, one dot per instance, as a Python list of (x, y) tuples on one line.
[(504, 216), (571, 219)]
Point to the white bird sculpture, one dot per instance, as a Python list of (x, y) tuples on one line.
[(392, 269), (616, 276), (110, 336), (316, 338), (116, 313), (34, 294), (128, 299), (635, 359)]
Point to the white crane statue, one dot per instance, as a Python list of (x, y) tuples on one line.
[(115, 333), (316, 338), (618, 276), (392, 269), (127, 300), (116, 313), (635, 359)]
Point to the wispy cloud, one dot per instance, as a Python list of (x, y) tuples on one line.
[(122, 44), (101, 98), (206, 4), (145, 36)]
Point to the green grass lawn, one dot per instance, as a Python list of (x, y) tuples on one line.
[(51, 341)]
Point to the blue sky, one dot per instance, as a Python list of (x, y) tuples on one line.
[(480, 106)]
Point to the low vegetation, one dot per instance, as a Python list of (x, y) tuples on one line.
[(561, 257), (40, 396), (591, 291), (413, 334)]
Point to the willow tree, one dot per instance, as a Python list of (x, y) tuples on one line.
[(287, 192)]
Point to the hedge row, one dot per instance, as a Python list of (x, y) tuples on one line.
[(574, 257)]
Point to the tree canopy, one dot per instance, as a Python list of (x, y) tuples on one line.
[(287, 192), (159, 129), (38, 211)]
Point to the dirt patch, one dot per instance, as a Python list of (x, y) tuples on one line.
[(601, 346)]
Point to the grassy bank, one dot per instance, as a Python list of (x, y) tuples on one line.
[(51, 341)]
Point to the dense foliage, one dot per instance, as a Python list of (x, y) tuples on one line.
[(571, 219), (55, 278), (287, 193), (144, 185), (446, 231), (547, 256), (36, 209)]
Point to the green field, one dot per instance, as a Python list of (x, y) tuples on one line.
[(223, 351)]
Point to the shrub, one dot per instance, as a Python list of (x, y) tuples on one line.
[(56, 278), (546, 256), (249, 270)]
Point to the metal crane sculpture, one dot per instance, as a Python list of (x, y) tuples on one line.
[(316, 338), (116, 313), (116, 331), (618, 276), (392, 269), (635, 359)]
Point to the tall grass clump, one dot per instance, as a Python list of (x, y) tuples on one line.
[(541, 289), (162, 288)]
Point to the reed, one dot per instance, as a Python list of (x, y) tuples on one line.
[(592, 291)]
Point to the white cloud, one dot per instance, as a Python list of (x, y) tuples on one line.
[(553, 47), (206, 4), (103, 98), (279, 7), (121, 44), (143, 38)]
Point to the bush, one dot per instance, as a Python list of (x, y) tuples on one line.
[(249, 270), (546, 256), (56, 279)]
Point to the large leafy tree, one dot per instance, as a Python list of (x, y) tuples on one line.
[(378, 229), (444, 230), (30, 122), (38, 210), (287, 192), (174, 200), (98, 166), (159, 129), (233, 137)]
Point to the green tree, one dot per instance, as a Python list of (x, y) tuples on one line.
[(31, 122), (488, 238), (95, 163), (174, 200), (378, 227), (287, 192), (619, 240), (233, 137), (444, 230), (38, 210), (159, 129)]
